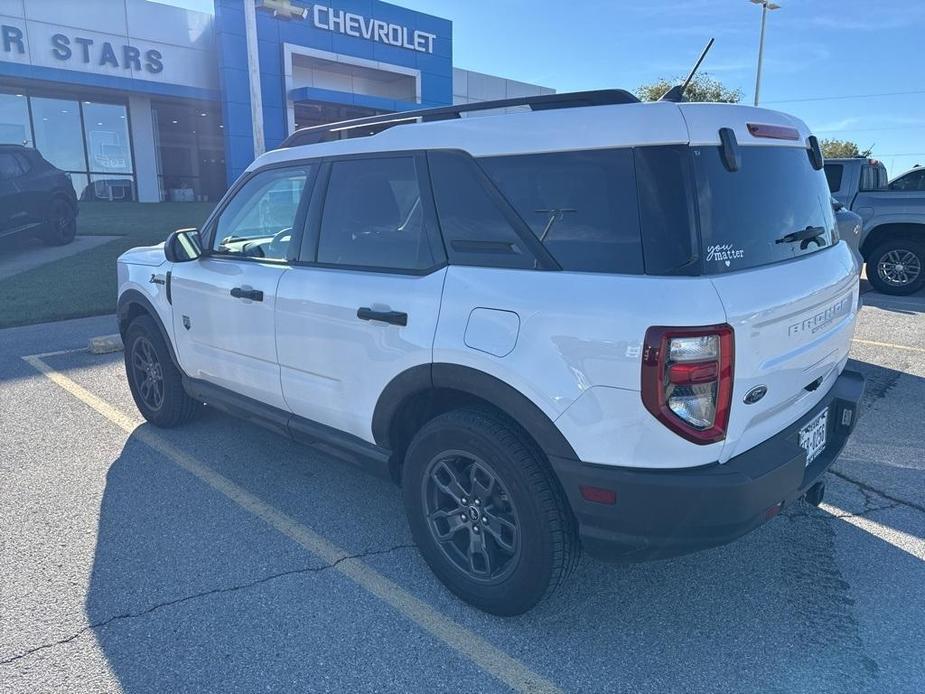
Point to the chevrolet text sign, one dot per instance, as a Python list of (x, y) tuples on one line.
[(351, 24)]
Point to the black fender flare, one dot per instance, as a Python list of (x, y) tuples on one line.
[(464, 379), (133, 297)]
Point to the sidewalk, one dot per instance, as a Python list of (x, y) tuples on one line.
[(26, 254)]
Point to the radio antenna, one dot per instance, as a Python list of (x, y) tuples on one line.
[(676, 93)]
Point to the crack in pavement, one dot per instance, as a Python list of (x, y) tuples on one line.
[(872, 503), (195, 596), (865, 488)]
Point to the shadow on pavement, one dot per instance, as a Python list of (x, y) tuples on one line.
[(191, 592)]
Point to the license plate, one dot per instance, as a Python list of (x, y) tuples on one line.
[(812, 435)]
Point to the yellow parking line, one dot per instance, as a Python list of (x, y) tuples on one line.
[(888, 344), (508, 670)]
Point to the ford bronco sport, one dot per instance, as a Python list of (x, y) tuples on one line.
[(593, 323)]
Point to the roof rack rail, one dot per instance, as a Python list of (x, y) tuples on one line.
[(543, 102)]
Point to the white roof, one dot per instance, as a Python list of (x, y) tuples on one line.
[(581, 128)]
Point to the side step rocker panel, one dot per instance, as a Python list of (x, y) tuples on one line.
[(367, 456)]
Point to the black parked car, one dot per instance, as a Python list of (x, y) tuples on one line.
[(35, 197)]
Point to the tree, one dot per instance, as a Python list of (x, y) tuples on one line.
[(702, 88), (833, 149)]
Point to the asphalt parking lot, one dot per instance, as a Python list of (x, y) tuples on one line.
[(220, 557)]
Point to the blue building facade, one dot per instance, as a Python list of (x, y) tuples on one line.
[(335, 30), (140, 100)]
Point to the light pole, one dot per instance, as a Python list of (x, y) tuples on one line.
[(765, 6)]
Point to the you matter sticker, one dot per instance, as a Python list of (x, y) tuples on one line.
[(725, 253)]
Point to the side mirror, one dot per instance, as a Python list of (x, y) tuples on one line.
[(836, 205), (182, 246)]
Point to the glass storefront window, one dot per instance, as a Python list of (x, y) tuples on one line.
[(190, 151), (14, 120), (88, 140), (80, 183), (110, 188), (58, 134), (106, 132)]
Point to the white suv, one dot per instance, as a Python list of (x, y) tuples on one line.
[(590, 323)]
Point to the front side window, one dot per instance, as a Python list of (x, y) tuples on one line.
[(258, 221), (581, 205), (374, 217)]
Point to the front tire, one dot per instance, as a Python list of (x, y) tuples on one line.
[(487, 513), (61, 225), (154, 380), (897, 267)]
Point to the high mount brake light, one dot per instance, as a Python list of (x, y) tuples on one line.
[(687, 379), (774, 132)]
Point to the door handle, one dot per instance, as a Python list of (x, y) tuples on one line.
[(252, 294), (393, 317)]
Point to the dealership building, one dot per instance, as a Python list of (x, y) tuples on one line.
[(139, 100)]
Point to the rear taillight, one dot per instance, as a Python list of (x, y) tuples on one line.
[(687, 380)]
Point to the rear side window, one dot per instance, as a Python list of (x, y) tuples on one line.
[(581, 205), (748, 217), (475, 228), (666, 209), (373, 216), (833, 175)]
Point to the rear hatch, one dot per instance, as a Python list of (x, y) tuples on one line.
[(770, 246)]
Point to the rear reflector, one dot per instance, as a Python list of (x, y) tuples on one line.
[(598, 495), (774, 132)]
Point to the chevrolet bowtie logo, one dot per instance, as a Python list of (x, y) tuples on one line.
[(283, 9)]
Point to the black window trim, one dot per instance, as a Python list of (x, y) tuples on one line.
[(207, 234), (307, 255)]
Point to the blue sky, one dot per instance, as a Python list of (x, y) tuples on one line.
[(814, 50)]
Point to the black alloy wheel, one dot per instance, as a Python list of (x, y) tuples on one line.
[(471, 516), (148, 374)]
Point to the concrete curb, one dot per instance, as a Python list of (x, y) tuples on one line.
[(105, 344)]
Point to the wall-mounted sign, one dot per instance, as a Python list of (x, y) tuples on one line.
[(79, 48), (352, 24)]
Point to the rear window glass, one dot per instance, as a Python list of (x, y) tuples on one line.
[(747, 215), (873, 177), (833, 174), (581, 205)]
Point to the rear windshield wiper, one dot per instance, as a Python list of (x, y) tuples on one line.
[(806, 235)]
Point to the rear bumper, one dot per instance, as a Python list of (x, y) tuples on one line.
[(664, 513)]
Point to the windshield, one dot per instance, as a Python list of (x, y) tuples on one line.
[(774, 208)]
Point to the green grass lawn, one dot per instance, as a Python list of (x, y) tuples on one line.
[(85, 284)]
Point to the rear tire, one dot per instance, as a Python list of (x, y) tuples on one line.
[(61, 224), (897, 267), (155, 382), (487, 512)]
